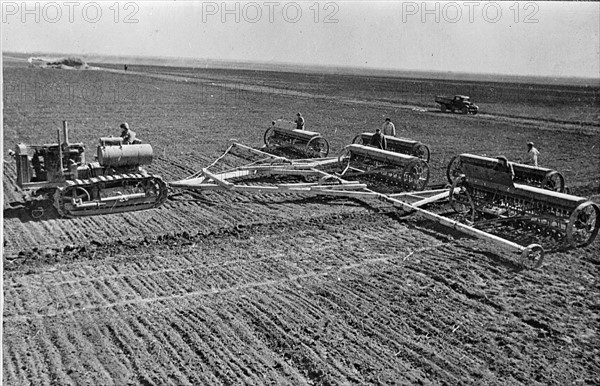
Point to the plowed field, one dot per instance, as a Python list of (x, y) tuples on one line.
[(242, 289)]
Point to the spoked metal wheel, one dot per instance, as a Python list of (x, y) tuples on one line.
[(76, 194), (269, 137), (554, 181), (358, 140), (532, 257), (583, 224), (415, 176), (454, 169), (318, 147), (461, 200), (421, 151), (66, 198), (344, 159)]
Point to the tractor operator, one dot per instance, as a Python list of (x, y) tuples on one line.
[(299, 122), (532, 155), (127, 134)]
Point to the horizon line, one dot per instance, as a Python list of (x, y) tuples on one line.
[(185, 61)]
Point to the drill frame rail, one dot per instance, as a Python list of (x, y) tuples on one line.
[(523, 174), (330, 184), (398, 145)]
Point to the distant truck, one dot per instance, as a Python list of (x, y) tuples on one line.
[(461, 103)]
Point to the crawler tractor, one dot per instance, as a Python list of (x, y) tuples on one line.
[(114, 183)]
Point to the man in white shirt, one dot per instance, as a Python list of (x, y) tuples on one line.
[(532, 155), (388, 128)]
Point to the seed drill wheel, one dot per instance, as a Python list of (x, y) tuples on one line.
[(317, 147), (454, 169), (462, 201), (421, 151), (415, 176), (358, 140), (269, 137), (344, 159), (532, 257), (554, 181), (394, 177), (583, 224)]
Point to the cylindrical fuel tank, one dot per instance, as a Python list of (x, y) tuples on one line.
[(126, 155)]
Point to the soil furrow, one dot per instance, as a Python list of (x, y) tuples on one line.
[(420, 356), (278, 339), (196, 333)]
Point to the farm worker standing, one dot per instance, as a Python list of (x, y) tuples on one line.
[(532, 155), (389, 128), (299, 122), (505, 166), (378, 140), (127, 134)]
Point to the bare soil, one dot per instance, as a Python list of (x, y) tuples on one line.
[(232, 289)]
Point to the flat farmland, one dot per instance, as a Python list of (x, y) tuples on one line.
[(244, 289)]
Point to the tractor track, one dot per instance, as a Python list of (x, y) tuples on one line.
[(183, 212), (258, 291), (216, 82)]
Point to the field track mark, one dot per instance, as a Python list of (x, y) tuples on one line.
[(217, 291), (34, 279), (139, 325), (170, 345), (381, 332), (280, 337), (340, 322), (226, 345), (202, 329), (298, 320), (173, 217), (242, 338), (539, 123)]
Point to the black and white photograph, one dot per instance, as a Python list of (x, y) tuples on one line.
[(309, 192)]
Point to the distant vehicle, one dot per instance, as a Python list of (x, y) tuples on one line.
[(461, 103)]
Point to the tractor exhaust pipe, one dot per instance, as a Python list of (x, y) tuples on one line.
[(65, 133), (64, 145), (60, 154)]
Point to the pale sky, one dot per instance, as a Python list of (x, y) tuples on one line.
[(524, 38)]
